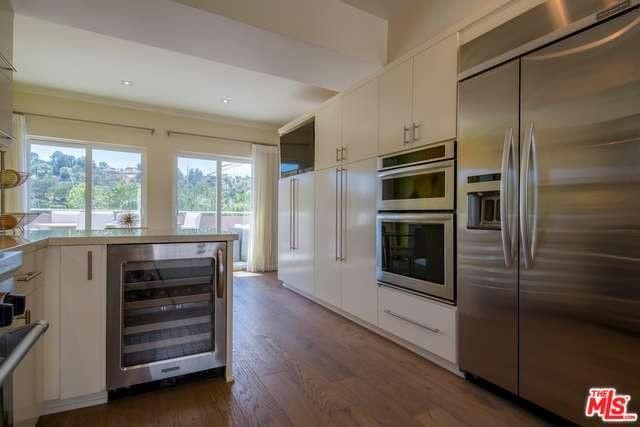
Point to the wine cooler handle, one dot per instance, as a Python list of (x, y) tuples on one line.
[(221, 275)]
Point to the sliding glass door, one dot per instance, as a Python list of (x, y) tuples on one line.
[(77, 186), (215, 194)]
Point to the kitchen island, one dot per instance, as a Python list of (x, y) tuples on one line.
[(64, 277)]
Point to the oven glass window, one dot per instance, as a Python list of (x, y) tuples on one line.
[(167, 309), (423, 186), (414, 250)]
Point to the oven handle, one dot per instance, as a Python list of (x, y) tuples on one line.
[(444, 164), (425, 218), (30, 334), (505, 189)]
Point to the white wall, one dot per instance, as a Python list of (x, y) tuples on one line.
[(159, 150)]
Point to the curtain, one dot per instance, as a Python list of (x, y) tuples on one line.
[(263, 243), (16, 158)]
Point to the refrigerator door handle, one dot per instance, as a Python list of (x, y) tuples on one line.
[(505, 196), (528, 169)]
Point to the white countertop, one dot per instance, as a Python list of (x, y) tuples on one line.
[(36, 239)]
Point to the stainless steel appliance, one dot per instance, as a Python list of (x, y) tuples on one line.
[(415, 252), (421, 179), (548, 202), (166, 311), (15, 342)]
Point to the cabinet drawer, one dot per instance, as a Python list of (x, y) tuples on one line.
[(427, 324)]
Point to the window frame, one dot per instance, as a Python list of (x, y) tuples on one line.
[(88, 147), (206, 156)]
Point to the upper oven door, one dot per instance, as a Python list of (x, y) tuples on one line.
[(423, 187), (415, 251)]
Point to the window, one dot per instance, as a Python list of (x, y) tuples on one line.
[(71, 195), (215, 194)]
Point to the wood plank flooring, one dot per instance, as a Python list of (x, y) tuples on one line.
[(299, 364)]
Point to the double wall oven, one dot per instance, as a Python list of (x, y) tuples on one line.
[(415, 224)]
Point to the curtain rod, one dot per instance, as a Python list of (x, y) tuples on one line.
[(223, 138), (95, 122)]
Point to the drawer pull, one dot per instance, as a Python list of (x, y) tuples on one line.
[(27, 277), (413, 322)]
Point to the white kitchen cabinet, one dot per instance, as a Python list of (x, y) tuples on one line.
[(345, 242), (327, 271), (296, 225), (83, 296), (360, 122), (395, 108), (435, 82), (359, 289), (329, 134), (6, 76), (425, 323), (285, 233), (418, 99), (26, 396)]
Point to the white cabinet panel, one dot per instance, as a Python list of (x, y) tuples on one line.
[(328, 134), (359, 287), (285, 233), (395, 107), (83, 285), (423, 322), (304, 231), (296, 231), (360, 122), (435, 73), (50, 365), (327, 267)]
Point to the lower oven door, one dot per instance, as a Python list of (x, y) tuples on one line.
[(415, 252), (166, 311)]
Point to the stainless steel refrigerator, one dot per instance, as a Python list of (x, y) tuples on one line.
[(549, 209)]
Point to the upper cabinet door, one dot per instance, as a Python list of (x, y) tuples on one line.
[(328, 134), (435, 73), (360, 123), (6, 33), (395, 108)]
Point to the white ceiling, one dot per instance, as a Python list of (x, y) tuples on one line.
[(65, 58), (275, 59)]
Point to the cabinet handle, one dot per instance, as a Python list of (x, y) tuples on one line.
[(343, 155), (343, 213), (337, 207), (414, 127), (413, 322), (90, 265), (291, 214), (28, 276), (405, 130), (295, 214), (27, 317), (220, 283), (5, 135), (8, 66), (337, 154)]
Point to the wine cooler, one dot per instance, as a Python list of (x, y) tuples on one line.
[(166, 311)]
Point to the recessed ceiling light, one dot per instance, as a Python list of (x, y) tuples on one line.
[(226, 100), (127, 83)]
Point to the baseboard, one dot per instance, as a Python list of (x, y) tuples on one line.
[(443, 363), (53, 406)]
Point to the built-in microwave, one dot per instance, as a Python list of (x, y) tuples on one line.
[(415, 252), (418, 180)]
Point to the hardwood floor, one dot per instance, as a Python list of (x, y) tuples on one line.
[(300, 364)]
